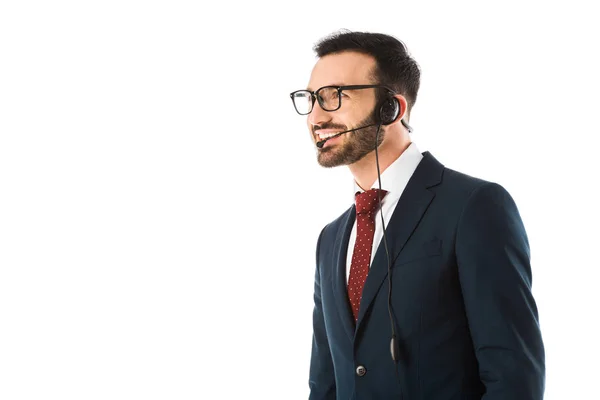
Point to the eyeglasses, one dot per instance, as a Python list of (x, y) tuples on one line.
[(329, 97)]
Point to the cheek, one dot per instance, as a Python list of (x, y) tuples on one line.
[(354, 113)]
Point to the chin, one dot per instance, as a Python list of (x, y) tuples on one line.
[(328, 162)]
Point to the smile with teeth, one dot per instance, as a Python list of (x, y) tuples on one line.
[(323, 136)]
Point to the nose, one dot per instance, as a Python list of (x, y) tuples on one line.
[(318, 116)]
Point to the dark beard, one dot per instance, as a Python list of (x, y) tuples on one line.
[(354, 148)]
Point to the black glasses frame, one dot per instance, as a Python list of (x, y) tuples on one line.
[(315, 95)]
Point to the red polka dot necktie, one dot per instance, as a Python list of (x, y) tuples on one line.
[(366, 207)]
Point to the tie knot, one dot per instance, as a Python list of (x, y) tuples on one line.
[(367, 201)]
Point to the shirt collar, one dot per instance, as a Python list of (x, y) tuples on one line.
[(395, 177)]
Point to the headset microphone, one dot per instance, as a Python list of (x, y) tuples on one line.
[(322, 142)]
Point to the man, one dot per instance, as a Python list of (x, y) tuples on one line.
[(449, 279)]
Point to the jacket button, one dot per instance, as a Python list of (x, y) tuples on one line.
[(361, 371)]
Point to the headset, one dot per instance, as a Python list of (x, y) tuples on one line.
[(389, 109)]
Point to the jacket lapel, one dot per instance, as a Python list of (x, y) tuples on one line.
[(413, 203), (339, 277)]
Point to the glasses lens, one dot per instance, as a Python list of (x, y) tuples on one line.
[(329, 98), (302, 102)]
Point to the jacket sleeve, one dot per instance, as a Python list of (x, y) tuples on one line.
[(322, 378), (493, 258)]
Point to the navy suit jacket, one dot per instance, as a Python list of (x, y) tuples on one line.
[(462, 306)]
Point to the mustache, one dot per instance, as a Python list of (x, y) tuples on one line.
[(328, 126)]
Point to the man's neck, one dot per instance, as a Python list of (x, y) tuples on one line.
[(365, 170)]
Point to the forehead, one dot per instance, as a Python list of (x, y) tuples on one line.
[(347, 68)]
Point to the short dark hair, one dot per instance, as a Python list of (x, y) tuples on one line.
[(395, 67)]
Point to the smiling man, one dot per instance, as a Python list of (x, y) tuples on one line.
[(423, 285)]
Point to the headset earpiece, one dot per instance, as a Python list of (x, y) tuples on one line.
[(389, 110)]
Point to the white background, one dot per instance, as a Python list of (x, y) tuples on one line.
[(160, 200)]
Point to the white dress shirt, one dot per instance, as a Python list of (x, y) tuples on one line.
[(394, 179)]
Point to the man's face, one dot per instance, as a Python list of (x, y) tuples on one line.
[(357, 109)]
